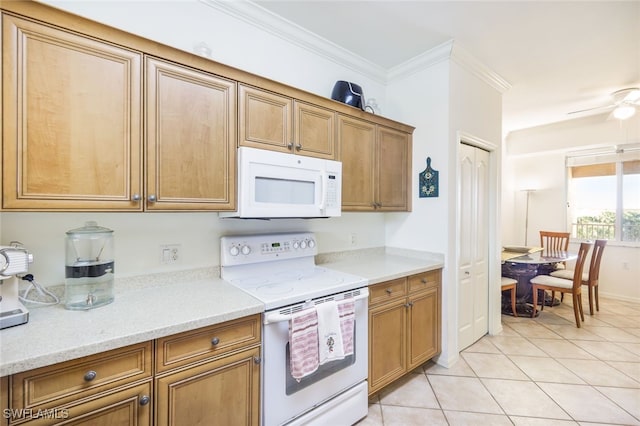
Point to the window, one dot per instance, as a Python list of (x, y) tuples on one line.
[(604, 195)]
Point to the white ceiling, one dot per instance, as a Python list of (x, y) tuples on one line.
[(557, 56)]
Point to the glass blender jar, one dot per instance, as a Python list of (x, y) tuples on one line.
[(89, 267)]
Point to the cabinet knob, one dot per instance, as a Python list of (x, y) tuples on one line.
[(424, 280), (90, 376), (144, 399), (215, 341), (299, 147), (257, 359), (290, 146), (389, 291), (152, 198), (408, 305), (136, 197)]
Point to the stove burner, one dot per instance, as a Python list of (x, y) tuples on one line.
[(274, 289), (250, 281)]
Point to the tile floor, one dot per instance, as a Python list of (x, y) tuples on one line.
[(542, 371)]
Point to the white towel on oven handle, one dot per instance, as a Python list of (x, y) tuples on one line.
[(330, 344)]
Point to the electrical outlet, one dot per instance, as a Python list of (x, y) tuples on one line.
[(170, 254)]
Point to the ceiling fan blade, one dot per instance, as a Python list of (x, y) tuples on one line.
[(592, 109)]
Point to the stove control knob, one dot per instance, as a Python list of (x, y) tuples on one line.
[(296, 245), (245, 250), (312, 244), (303, 245), (234, 251)]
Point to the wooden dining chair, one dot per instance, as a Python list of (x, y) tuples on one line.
[(510, 284), (552, 241), (573, 286), (591, 278)]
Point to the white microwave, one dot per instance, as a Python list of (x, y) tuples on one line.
[(280, 185)]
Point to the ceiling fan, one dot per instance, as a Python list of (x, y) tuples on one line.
[(625, 103)]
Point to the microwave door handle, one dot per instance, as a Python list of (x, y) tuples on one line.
[(323, 191)]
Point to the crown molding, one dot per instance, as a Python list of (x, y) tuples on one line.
[(268, 21), (463, 58), (260, 17), (422, 61)]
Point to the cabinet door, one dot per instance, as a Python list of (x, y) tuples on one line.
[(387, 344), (221, 392), (264, 119), (191, 144), (424, 327), (71, 121), (314, 131), (4, 399), (393, 165), (357, 142), (124, 406)]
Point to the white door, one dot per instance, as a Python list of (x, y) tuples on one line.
[(473, 287)]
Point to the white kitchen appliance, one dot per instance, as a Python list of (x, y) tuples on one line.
[(279, 270), (280, 185), (13, 260)]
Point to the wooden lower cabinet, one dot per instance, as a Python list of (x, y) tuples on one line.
[(110, 388), (206, 376), (404, 326), (220, 392)]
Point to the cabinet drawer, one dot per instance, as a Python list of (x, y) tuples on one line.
[(192, 346), (424, 280), (69, 381), (388, 290), (130, 405)]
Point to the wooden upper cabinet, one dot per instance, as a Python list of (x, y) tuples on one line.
[(315, 132), (394, 164), (72, 120), (264, 119), (190, 138), (357, 145), (375, 166), (279, 123)]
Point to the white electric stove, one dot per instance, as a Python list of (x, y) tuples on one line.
[(280, 271)]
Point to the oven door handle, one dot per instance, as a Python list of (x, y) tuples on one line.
[(275, 317)]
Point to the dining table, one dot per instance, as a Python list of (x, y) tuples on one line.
[(524, 263)]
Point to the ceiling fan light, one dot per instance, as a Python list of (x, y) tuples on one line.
[(623, 112)]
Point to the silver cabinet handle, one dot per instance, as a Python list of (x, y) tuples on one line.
[(136, 197), (144, 399), (90, 376), (424, 280), (290, 146), (389, 291), (257, 359), (152, 198), (215, 341), (299, 147)]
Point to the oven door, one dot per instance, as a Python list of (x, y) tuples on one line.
[(284, 398)]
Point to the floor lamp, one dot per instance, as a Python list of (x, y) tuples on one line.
[(526, 216)]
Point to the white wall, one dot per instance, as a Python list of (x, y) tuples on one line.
[(138, 237), (234, 42), (442, 101), (536, 159)]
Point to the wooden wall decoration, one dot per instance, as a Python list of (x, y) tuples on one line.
[(428, 181)]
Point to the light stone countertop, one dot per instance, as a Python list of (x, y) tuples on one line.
[(158, 305), (382, 264), (143, 312)]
